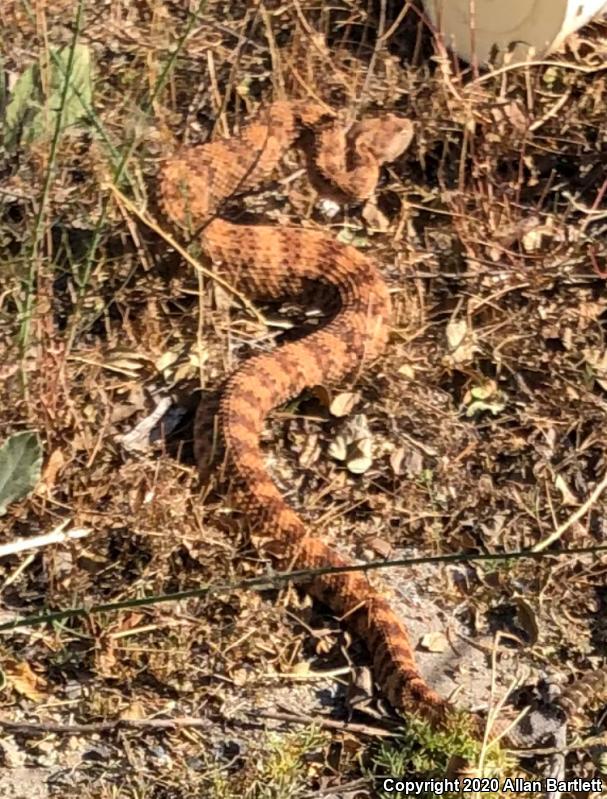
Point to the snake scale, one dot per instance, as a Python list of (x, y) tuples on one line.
[(270, 262)]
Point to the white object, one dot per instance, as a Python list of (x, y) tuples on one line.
[(523, 28)]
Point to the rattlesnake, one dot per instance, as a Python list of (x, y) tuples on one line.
[(273, 262)]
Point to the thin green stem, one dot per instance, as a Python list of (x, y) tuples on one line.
[(265, 582), (119, 171), (30, 282)]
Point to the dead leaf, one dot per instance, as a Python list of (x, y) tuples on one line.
[(597, 360), (323, 395), (509, 234), (379, 546), (166, 360), (125, 362), (134, 712), (360, 688), (533, 240), (359, 457), (54, 465), (568, 497), (25, 681), (407, 460), (122, 411), (434, 642), (301, 669), (407, 370), (396, 460), (13, 756), (239, 677), (353, 444), (105, 658), (137, 439), (374, 217), (461, 341), (343, 403), (456, 333)]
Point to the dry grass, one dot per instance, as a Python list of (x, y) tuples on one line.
[(492, 248)]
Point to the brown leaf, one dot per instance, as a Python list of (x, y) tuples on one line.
[(379, 546), (323, 395), (54, 465), (25, 681)]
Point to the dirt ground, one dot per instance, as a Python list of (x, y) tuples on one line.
[(482, 423)]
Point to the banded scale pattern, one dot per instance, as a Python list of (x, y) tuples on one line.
[(274, 262)]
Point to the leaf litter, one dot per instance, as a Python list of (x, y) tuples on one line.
[(480, 430)]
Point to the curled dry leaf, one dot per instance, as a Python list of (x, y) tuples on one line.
[(134, 711), (533, 240), (124, 362), (342, 404), (138, 439), (323, 395), (353, 445), (510, 234)]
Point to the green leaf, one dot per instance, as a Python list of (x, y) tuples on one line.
[(29, 117), (20, 465), (20, 105)]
